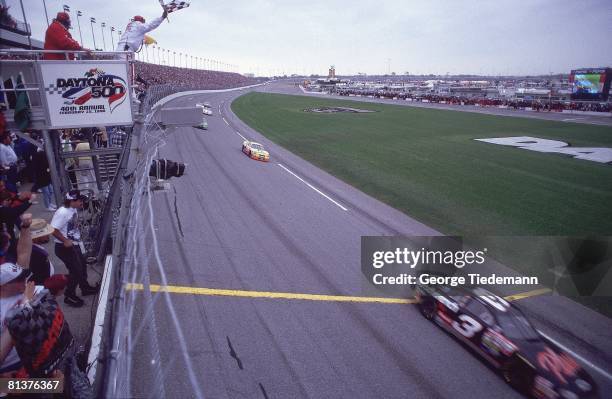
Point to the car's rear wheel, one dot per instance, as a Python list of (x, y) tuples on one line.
[(427, 306)]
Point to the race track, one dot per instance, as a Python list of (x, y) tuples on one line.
[(233, 223)]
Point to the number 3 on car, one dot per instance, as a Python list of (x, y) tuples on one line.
[(468, 326)]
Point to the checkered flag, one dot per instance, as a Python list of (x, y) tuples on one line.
[(52, 89), (66, 8), (175, 5)]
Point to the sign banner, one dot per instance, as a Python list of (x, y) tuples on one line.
[(85, 94)]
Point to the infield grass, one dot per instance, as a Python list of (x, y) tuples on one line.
[(426, 163)]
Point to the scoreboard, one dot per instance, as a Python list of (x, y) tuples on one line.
[(591, 84)]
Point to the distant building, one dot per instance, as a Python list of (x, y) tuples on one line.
[(332, 72)]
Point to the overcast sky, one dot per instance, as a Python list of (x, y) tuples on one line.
[(374, 37)]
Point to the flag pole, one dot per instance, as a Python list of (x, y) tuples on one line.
[(46, 15), (161, 3)]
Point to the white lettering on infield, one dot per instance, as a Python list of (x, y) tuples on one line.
[(314, 188), (594, 154)]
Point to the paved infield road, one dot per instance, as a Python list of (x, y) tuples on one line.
[(285, 87), (233, 223)]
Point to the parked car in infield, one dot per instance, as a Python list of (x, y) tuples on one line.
[(501, 334), (255, 151)]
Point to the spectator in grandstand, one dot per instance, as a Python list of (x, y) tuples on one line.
[(14, 290), (12, 206), (8, 160), (41, 336), (58, 37), (67, 239), (100, 137), (190, 78), (24, 150), (117, 137), (40, 265), (42, 179), (134, 32)]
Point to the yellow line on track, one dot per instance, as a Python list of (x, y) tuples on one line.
[(528, 294), (289, 295)]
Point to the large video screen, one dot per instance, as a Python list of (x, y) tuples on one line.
[(590, 84)]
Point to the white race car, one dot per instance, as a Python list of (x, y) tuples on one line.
[(205, 108)]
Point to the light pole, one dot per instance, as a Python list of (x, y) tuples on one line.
[(146, 53), (92, 20), (158, 59), (79, 24), (174, 54), (102, 26), (112, 40)]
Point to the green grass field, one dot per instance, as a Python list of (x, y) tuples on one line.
[(426, 163)]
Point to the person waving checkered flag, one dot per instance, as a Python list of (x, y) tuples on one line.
[(175, 5)]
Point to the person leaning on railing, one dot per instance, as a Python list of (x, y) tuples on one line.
[(59, 38)]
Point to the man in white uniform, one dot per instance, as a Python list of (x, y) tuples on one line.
[(132, 38)]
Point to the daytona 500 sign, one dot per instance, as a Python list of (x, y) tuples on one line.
[(87, 94)]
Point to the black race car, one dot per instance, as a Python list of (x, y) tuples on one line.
[(501, 334)]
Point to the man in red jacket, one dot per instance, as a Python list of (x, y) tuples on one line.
[(58, 38)]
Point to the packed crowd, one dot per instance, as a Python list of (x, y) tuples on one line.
[(35, 339), (190, 78), (516, 103)]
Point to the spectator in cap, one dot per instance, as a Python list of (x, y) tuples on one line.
[(67, 238), (134, 33), (59, 38), (14, 291), (40, 265)]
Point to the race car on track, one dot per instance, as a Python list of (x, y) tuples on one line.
[(205, 108), (255, 151), (501, 334), (203, 125)]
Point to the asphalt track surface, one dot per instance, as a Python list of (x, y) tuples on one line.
[(233, 223)]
